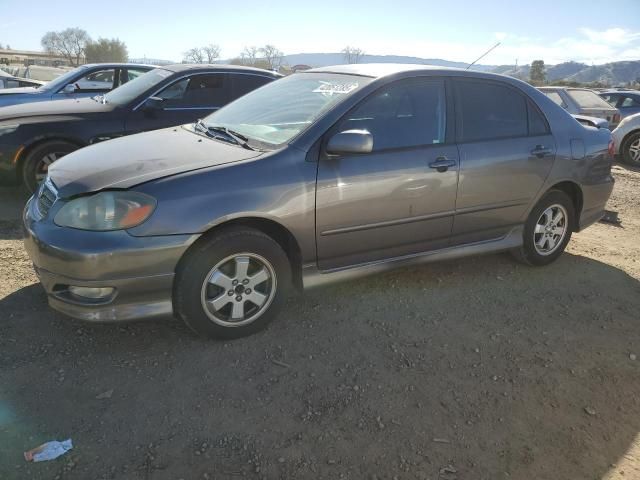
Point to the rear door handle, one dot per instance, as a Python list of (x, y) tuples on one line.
[(442, 164), (541, 151)]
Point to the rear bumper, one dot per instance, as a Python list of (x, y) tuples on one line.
[(595, 199), (139, 269)]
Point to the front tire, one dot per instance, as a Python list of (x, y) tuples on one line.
[(630, 150), (232, 284), (37, 162), (547, 230)]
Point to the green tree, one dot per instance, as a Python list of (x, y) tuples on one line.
[(105, 50), (69, 43), (537, 74)]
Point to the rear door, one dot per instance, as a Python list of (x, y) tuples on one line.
[(183, 101), (393, 201), (506, 153)]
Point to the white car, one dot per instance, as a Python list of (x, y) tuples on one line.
[(627, 139)]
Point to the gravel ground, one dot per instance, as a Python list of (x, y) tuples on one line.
[(473, 369)]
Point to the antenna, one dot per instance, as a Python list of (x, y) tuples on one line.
[(483, 55)]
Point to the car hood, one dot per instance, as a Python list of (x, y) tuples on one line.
[(128, 161), (23, 90), (54, 107)]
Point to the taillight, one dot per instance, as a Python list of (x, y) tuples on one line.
[(612, 148)]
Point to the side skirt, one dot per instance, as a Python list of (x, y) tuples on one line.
[(312, 277)]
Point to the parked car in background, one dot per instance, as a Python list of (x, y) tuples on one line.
[(8, 81), (627, 140), (321, 176), (626, 101), (34, 135), (84, 81), (42, 72), (582, 101)]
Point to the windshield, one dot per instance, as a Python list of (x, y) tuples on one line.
[(588, 99), (279, 111), (136, 87), (59, 82)]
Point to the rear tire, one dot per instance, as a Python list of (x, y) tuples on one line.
[(37, 161), (630, 150), (547, 230), (232, 284)]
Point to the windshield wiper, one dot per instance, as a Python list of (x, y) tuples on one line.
[(228, 135)]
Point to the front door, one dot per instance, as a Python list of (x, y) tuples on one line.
[(400, 198), (506, 153), (183, 101)]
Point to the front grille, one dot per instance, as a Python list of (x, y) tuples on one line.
[(47, 195)]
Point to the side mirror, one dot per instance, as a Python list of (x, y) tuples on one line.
[(153, 103), (350, 141), (69, 88)]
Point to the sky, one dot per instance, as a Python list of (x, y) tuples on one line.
[(459, 30)]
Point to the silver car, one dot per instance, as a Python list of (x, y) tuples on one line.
[(321, 176), (627, 140), (582, 101)]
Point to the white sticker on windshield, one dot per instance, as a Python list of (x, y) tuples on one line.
[(329, 89)]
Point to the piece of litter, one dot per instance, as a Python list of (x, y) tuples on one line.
[(632, 356), (441, 440), (104, 395), (279, 363), (590, 411), (48, 451)]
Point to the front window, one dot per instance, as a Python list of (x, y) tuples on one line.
[(133, 89), (281, 110), (60, 82)]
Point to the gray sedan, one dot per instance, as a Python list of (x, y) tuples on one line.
[(322, 176)]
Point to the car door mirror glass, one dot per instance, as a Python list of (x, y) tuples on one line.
[(350, 141), (69, 88)]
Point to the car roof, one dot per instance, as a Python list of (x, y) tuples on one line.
[(181, 67), (379, 70), (116, 64)]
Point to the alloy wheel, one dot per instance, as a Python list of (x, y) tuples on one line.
[(43, 165), (634, 151), (239, 289), (550, 230)]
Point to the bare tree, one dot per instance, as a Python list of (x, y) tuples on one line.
[(272, 56), (352, 54), (249, 55), (70, 44), (211, 52), (194, 55)]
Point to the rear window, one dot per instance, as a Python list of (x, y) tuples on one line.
[(588, 99)]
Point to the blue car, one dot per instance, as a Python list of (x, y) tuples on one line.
[(626, 101), (84, 81)]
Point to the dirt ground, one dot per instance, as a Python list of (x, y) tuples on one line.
[(479, 368)]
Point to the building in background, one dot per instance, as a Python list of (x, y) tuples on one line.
[(29, 57)]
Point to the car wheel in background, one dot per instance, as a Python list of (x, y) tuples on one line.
[(231, 284), (547, 230), (630, 150), (37, 162)]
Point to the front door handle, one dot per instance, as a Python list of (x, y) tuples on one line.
[(541, 151), (442, 164)]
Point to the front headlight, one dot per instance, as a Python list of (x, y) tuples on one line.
[(104, 211)]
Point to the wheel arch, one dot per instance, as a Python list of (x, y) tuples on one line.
[(625, 139), (35, 143), (278, 232), (573, 190)]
